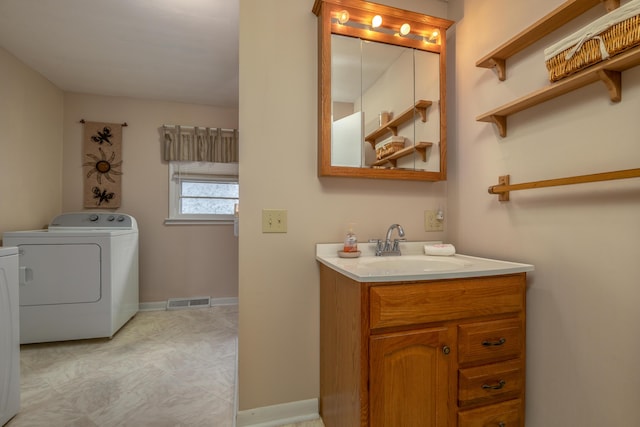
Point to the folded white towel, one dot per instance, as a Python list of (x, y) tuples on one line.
[(445, 249)]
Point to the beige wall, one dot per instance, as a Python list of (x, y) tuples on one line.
[(583, 318), (31, 111), (278, 357), (175, 261)]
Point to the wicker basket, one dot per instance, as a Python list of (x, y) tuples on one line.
[(617, 38), (389, 146)]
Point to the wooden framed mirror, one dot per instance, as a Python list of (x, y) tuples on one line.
[(381, 92)]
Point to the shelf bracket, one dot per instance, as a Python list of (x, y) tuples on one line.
[(503, 195), (422, 111), (421, 148), (500, 66), (613, 82), (500, 122)]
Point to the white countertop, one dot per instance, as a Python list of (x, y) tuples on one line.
[(413, 264)]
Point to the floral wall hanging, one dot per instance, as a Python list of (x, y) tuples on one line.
[(102, 164)]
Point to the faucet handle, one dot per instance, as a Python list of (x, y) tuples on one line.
[(379, 245), (396, 243)]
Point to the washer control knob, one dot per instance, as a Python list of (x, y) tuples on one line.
[(110, 218), (93, 217), (120, 218)]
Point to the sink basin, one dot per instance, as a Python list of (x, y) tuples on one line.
[(411, 265)]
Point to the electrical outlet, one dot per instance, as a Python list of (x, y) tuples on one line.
[(431, 221), (274, 221)]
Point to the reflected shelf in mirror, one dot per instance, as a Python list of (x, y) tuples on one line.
[(420, 147), (392, 126)]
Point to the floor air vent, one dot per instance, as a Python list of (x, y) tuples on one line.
[(179, 303)]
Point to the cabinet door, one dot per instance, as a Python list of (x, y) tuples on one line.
[(410, 378)]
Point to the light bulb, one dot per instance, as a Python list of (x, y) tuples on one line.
[(376, 21), (343, 17), (404, 29), (433, 38)]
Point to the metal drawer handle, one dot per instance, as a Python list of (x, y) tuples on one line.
[(494, 343), (498, 386), (501, 424)]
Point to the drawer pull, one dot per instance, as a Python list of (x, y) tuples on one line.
[(494, 343), (501, 424), (446, 349), (498, 386)]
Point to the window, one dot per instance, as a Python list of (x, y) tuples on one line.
[(202, 192)]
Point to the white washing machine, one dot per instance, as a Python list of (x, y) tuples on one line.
[(78, 278), (9, 335)]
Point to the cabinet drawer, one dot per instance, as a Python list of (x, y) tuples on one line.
[(409, 304), (505, 414), (493, 340), (485, 383)]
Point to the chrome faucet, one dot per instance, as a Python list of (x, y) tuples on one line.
[(387, 247)]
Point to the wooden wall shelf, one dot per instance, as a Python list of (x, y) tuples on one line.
[(609, 72), (392, 127), (545, 25), (420, 147)]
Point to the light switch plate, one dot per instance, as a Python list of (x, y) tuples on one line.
[(274, 221), (431, 222)]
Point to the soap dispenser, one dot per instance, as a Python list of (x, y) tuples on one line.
[(350, 241)]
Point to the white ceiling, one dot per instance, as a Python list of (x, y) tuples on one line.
[(173, 50)]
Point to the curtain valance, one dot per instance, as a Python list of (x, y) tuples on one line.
[(200, 144)]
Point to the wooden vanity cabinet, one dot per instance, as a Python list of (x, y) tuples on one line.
[(439, 353)]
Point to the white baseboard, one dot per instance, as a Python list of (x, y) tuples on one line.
[(223, 301), (152, 306), (277, 415)]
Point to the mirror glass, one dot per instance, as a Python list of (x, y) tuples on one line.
[(375, 88)]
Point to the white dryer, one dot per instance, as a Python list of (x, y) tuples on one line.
[(9, 335), (78, 278)]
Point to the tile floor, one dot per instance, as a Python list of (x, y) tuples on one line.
[(163, 368)]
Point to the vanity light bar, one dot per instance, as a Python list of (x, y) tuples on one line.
[(353, 18), (342, 18)]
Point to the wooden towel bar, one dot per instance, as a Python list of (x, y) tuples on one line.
[(504, 186)]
